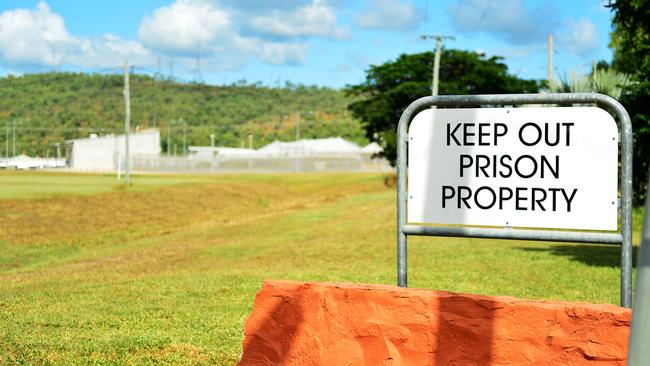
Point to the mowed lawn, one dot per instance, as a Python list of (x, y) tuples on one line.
[(166, 272)]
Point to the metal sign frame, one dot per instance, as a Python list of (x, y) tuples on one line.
[(638, 354), (623, 237)]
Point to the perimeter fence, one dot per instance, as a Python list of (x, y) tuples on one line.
[(279, 164)]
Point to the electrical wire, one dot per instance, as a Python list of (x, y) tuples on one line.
[(460, 3), (426, 17), (485, 10)]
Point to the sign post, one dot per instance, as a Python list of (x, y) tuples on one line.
[(639, 336), (530, 169)]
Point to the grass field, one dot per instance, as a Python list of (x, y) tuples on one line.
[(39, 184), (167, 272)]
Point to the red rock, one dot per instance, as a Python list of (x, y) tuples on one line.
[(296, 323)]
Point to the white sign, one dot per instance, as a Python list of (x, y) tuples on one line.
[(538, 167)]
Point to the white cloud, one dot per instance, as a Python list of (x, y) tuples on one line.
[(38, 37), (284, 53), (108, 51), (580, 36), (510, 20), (32, 37), (388, 14), (186, 28), (315, 19), (189, 28), (514, 22), (257, 6)]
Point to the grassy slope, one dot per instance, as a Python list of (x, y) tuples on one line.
[(167, 276), (39, 184)]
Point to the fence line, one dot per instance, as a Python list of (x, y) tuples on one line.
[(283, 164)]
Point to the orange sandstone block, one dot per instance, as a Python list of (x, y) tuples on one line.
[(295, 323)]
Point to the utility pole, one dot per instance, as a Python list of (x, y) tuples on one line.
[(550, 59), (436, 59), (298, 126), (184, 137), (13, 145), (594, 68), (7, 143), (127, 123), (199, 76), (169, 139), (212, 140), (250, 141)]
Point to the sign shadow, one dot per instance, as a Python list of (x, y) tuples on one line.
[(270, 334), (465, 331), (465, 327), (591, 255)]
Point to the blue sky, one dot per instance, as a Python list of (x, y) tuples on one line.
[(322, 42)]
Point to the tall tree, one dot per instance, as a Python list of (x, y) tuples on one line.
[(389, 88), (630, 40)]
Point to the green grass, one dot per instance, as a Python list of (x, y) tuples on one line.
[(19, 185), (168, 276)]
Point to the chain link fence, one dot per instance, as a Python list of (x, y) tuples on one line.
[(189, 164)]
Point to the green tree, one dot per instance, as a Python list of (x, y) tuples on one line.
[(389, 88), (601, 80), (630, 40)]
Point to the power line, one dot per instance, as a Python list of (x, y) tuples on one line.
[(144, 68), (115, 70), (426, 16), (460, 3), (485, 10), (127, 123), (26, 80), (66, 129), (199, 75), (550, 59), (153, 73)]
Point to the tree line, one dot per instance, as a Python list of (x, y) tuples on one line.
[(51, 108)]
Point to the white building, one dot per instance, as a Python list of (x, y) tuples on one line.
[(207, 152), (371, 149), (313, 155), (327, 147), (333, 146), (106, 153), (24, 162)]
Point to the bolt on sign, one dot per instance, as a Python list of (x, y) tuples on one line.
[(537, 167)]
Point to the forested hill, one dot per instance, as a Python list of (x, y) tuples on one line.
[(53, 107)]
